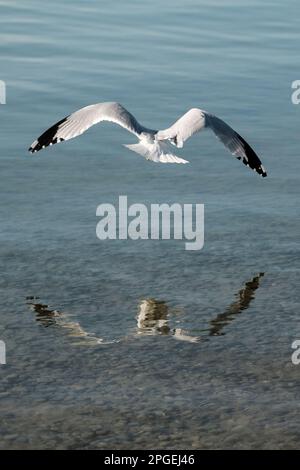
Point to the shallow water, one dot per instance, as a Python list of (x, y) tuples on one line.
[(141, 344)]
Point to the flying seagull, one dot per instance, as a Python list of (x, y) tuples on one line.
[(153, 144)]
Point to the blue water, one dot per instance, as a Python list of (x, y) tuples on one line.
[(142, 344)]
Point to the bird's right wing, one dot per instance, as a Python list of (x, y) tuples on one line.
[(79, 121)]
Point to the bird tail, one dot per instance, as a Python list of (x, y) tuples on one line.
[(156, 151)]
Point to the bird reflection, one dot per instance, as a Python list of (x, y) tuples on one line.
[(244, 298), (154, 315), (153, 319), (50, 317)]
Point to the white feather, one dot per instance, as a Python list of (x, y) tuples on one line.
[(156, 152)]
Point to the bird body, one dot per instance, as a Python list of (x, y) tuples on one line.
[(153, 144)]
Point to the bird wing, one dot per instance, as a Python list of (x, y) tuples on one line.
[(79, 121), (195, 120), (235, 143)]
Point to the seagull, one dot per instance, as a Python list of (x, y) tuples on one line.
[(153, 144)]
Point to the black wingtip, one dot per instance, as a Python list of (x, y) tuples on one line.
[(251, 160), (261, 171), (47, 138)]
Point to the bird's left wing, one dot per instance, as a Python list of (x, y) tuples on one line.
[(196, 120), (235, 143), (79, 121)]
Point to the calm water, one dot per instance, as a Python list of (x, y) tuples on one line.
[(141, 344)]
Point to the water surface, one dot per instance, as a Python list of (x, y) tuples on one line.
[(141, 344)]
